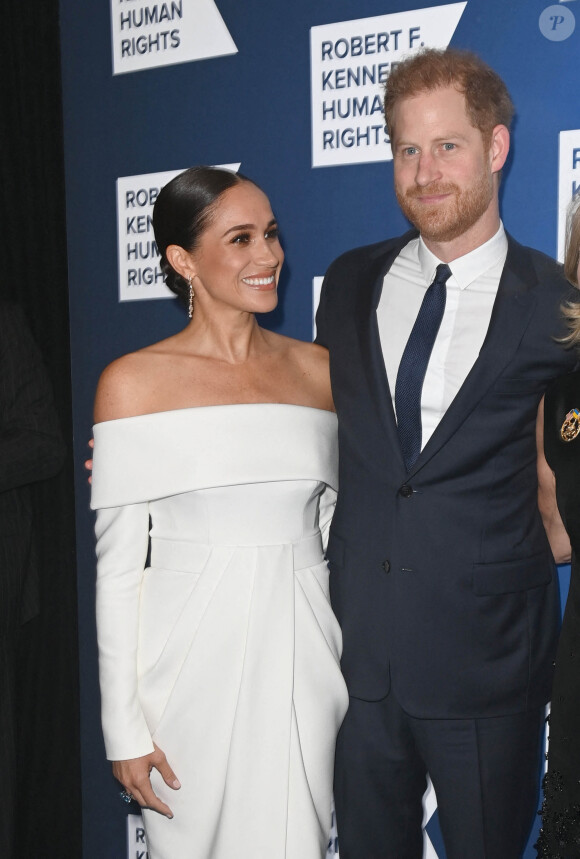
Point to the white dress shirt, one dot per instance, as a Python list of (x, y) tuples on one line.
[(471, 292)]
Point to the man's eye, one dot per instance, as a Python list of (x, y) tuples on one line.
[(410, 150), (448, 147)]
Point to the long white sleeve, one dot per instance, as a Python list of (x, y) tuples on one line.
[(122, 541)]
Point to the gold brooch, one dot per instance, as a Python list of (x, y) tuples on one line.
[(571, 426)]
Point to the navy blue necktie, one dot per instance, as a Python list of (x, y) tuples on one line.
[(413, 366)]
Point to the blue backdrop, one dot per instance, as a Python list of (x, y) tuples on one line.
[(253, 106)]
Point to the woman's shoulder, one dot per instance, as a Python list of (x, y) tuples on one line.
[(563, 387), (310, 365), (302, 350), (311, 358), (125, 385)]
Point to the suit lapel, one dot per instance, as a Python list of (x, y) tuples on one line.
[(512, 311), (368, 297)]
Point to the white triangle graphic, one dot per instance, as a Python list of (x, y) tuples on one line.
[(209, 37)]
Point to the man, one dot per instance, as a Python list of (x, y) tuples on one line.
[(30, 449), (441, 346)]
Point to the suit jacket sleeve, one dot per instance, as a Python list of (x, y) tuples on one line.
[(31, 446)]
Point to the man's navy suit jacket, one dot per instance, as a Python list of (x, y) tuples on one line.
[(442, 578)]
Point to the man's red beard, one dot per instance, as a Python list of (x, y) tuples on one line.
[(451, 218)]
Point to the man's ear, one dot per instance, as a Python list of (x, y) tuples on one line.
[(499, 148)]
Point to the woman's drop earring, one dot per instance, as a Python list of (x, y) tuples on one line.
[(191, 295)]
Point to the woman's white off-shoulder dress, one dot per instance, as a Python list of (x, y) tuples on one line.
[(216, 636)]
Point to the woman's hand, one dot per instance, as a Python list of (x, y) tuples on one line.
[(548, 506), (134, 776), (89, 462)]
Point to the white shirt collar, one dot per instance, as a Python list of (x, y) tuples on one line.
[(466, 269)]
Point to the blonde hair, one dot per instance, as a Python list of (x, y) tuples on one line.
[(571, 309)]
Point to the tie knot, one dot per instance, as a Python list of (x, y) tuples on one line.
[(442, 273)]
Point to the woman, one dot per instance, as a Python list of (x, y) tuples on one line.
[(559, 480), (219, 661)]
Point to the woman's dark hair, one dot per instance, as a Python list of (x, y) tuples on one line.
[(183, 210)]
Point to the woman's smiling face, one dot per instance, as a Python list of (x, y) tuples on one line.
[(238, 258)]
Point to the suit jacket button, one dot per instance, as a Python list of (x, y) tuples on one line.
[(406, 491), (387, 566)]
